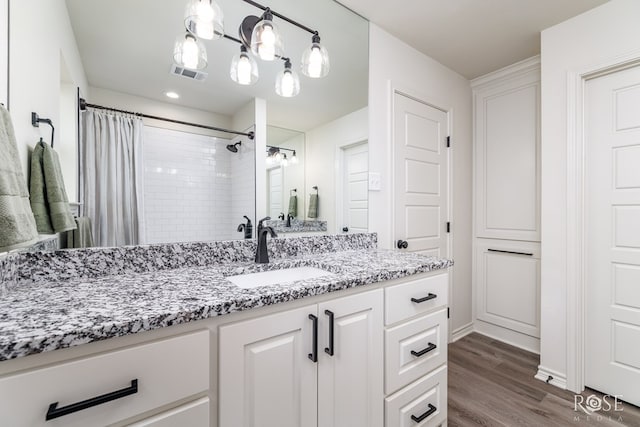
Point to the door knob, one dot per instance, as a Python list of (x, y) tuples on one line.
[(402, 244), (345, 229)]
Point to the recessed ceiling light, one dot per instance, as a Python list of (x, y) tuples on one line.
[(172, 95)]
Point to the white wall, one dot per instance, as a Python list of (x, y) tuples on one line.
[(321, 164), (595, 37), (124, 101), (392, 62), (40, 35)]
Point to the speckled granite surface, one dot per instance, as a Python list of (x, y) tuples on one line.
[(24, 268), (297, 226), (50, 315)]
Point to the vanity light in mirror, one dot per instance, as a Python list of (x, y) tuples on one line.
[(315, 59), (189, 52), (294, 159), (287, 82), (266, 42), (204, 18), (244, 69)]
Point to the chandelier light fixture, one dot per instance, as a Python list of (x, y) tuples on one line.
[(260, 38)]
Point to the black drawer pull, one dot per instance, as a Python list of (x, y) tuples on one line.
[(427, 298), (329, 350), (510, 252), (422, 352), (313, 356), (55, 412), (422, 417)]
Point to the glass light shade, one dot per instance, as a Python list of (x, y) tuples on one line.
[(294, 159), (284, 161), (266, 42), (288, 82), (205, 19), (315, 60), (189, 52), (244, 69)]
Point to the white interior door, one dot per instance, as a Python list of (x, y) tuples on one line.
[(355, 189), (612, 197), (275, 192), (421, 176)]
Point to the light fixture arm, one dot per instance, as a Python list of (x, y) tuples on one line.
[(284, 18)]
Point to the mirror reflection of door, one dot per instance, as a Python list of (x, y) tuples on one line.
[(274, 193), (355, 173)]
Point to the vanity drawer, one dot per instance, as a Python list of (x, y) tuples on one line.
[(426, 398), (415, 297), (165, 371), (427, 337), (194, 414)]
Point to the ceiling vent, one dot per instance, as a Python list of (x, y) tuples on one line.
[(189, 74)]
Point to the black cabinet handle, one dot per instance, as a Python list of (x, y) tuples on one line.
[(345, 229), (329, 350), (422, 417), (510, 252), (402, 244), (427, 298), (314, 347), (55, 412), (429, 348)]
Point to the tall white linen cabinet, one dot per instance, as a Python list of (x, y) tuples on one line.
[(506, 239)]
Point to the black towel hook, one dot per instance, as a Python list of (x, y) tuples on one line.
[(36, 120)]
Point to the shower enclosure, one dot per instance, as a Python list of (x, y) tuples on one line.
[(196, 187)]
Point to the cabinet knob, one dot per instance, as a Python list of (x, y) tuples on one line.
[(345, 229), (402, 244)]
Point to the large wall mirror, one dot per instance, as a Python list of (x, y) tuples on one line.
[(196, 183)]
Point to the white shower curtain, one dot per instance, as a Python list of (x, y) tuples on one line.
[(111, 175)]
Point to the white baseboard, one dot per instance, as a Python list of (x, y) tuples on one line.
[(551, 377), (516, 339), (461, 332)]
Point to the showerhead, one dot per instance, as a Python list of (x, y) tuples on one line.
[(234, 147)]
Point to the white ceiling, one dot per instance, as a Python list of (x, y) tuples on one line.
[(472, 37), (127, 46)]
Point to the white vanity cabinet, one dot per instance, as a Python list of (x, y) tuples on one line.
[(416, 334), (506, 242), (144, 378), (318, 365)]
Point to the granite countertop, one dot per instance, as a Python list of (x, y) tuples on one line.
[(59, 314), (297, 225)]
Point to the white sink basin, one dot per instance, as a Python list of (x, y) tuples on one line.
[(272, 277)]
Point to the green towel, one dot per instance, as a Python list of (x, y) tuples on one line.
[(82, 236), (293, 206), (16, 219), (313, 206), (48, 197)]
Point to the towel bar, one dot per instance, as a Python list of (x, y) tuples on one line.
[(36, 120)]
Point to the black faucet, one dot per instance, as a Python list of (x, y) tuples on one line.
[(289, 218), (247, 228), (262, 255), (281, 216)]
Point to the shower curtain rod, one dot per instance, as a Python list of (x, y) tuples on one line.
[(84, 105)]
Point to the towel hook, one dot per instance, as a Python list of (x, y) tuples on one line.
[(315, 187), (36, 120), (295, 190)]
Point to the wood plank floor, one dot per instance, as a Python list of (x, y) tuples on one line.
[(492, 384)]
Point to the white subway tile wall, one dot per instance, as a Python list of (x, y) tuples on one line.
[(188, 192)]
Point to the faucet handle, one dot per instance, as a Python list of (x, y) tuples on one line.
[(266, 218)]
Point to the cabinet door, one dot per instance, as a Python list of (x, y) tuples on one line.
[(507, 158), (508, 283), (350, 381), (266, 378)]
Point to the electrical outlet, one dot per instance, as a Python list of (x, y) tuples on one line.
[(375, 181)]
